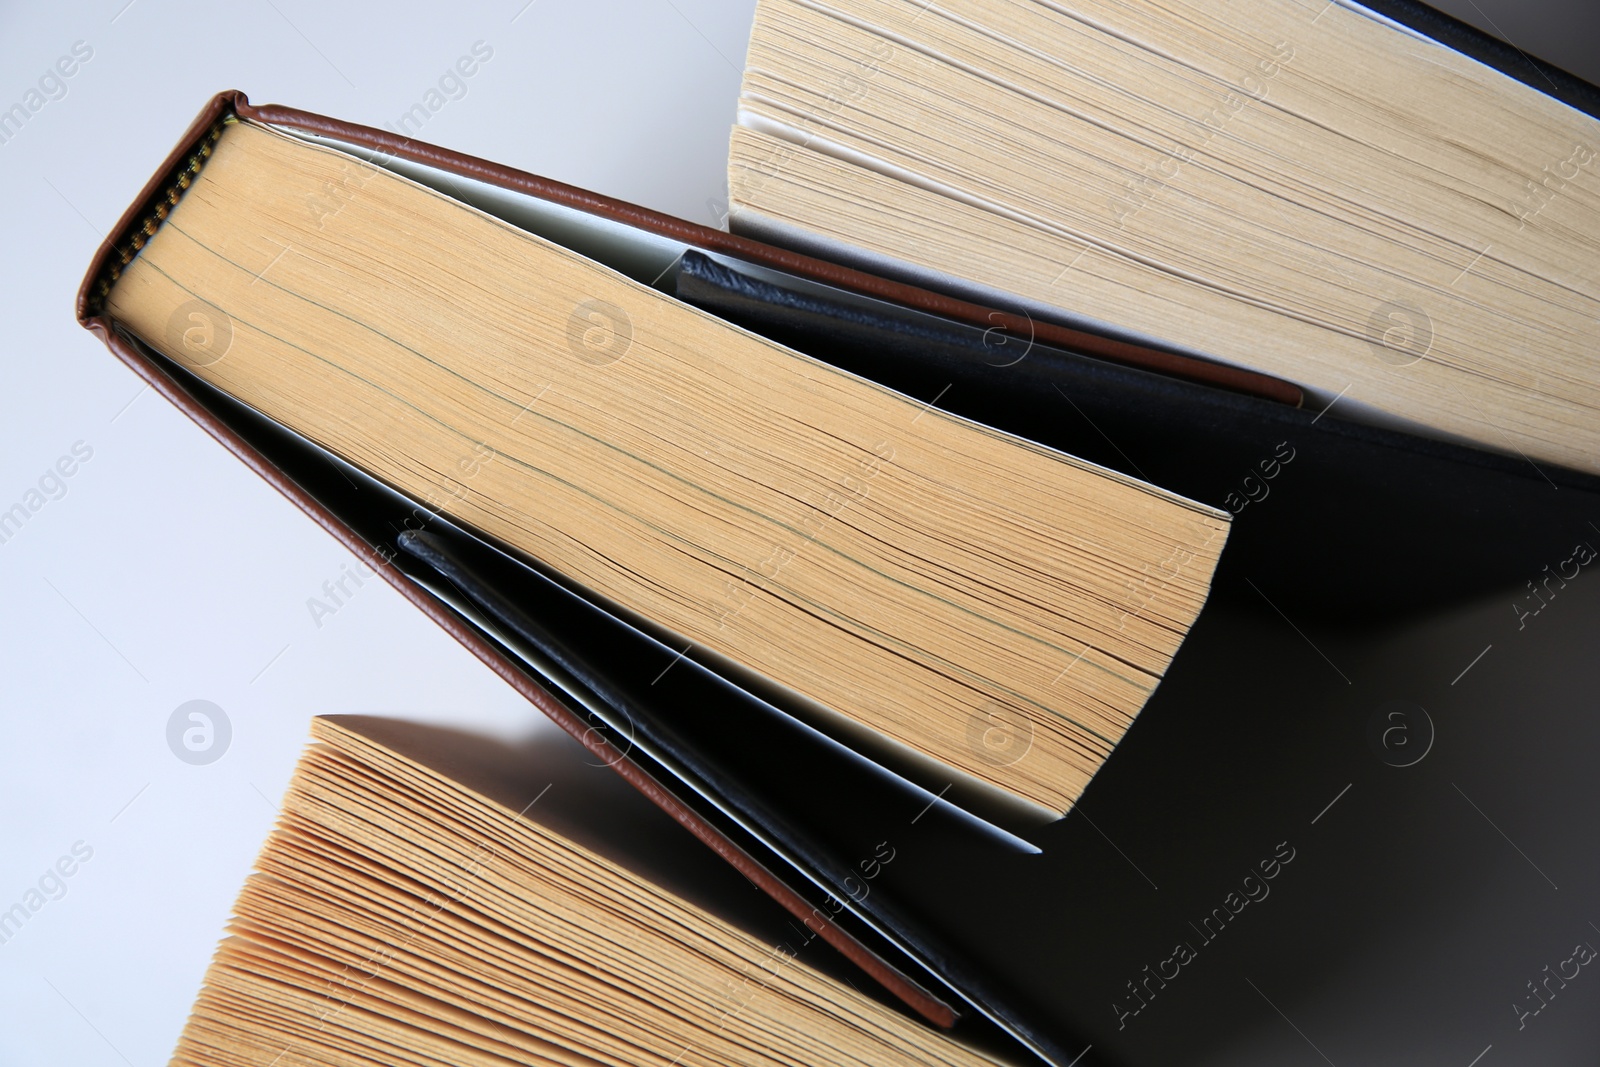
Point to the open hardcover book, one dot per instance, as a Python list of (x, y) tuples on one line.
[(825, 558)]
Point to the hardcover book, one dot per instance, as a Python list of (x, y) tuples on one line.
[(1334, 684)]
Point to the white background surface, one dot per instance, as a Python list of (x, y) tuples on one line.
[(167, 571)]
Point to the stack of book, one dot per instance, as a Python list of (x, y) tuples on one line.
[(1059, 362)]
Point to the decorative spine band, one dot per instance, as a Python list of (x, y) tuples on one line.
[(124, 251)]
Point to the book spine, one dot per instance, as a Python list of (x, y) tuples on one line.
[(126, 245)]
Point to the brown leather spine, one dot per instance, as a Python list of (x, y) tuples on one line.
[(92, 318)]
